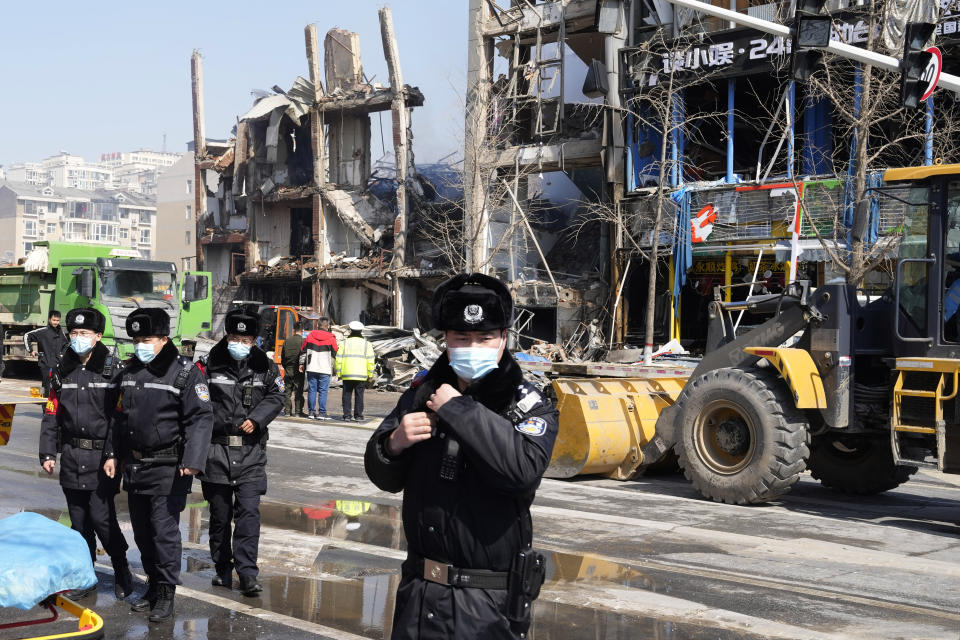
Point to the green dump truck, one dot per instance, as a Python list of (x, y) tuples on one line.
[(62, 276)]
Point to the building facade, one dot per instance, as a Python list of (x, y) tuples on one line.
[(175, 214), (34, 213), (138, 171), (697, 139)]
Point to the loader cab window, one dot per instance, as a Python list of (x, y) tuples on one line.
[(951, 265), (914, 276)]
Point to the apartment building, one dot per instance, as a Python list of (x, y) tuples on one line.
[(32, 213)]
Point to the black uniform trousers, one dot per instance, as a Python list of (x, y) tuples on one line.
[(239, 503), (353, 389), (94, 515), (293, 385), (156, 530)]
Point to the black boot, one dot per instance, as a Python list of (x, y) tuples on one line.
[(147, 600), (222, 580), (122, 579), (76, 594), (249, 586), (163, 610)]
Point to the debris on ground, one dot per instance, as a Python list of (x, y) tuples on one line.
[(400, 353)]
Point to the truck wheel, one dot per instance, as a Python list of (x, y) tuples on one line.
[(741, 439), (856, 464)]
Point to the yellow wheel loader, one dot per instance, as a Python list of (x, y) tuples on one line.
[(865, 393)]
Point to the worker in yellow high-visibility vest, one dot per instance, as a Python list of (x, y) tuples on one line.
[(355, 365)]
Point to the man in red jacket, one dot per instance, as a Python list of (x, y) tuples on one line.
[(317, 359)]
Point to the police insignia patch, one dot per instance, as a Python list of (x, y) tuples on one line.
[(279, 382), (532, 427), (203, 392), (473, 313)]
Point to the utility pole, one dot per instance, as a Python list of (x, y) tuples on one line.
[(199, 151)]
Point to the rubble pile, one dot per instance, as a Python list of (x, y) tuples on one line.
[(401, 353)]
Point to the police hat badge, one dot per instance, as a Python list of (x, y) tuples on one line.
[(135, 325), (241, 326), (79, 318), (473, 313)]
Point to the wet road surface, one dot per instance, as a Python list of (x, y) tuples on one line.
[(642, 559)]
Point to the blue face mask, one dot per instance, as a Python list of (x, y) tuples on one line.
[(238, 350), (144, 352), (472, 363), (81, 344)]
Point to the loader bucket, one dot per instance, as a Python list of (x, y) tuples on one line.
[(605, 423)]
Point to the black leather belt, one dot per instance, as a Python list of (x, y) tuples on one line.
[(87, 443), (447, 574), (235, 441), (172, 450)]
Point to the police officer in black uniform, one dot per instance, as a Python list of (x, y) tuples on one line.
[(161, 437), (76, 422), (47, 344), (246, 389), (467, 444)]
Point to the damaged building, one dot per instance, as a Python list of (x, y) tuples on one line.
[(294, 210), (573, 145)]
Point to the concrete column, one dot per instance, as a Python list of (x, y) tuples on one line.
[(613, 161), (475, 180), (199, 151), (401, 123), (318, 143)]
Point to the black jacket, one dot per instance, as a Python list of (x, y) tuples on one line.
[(290, 355), (81, 405), (50, 345), (229, 379), (157, 412), (506, 431)]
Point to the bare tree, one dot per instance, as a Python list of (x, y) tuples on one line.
[(872, 131), (668, 66)]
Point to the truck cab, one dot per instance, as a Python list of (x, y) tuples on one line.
[(114, 281)]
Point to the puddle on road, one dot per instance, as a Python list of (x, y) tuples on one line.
[(354, 591)]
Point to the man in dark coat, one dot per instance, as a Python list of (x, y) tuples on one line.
[(46, 344), (246, 390), (161, 436), (292, 376), (468, 445), (76, 421)]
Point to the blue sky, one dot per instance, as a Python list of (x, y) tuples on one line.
[(96, 77)]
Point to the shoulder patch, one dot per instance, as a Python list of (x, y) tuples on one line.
[(202, 392), (279, 383), (532, 427)]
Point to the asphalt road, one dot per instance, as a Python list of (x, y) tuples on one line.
[(639, 559)]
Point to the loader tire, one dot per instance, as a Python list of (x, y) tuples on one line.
[(861, 465), (741, 438)]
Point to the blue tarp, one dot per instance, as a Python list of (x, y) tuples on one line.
[(526, 357), (39, 557), (682, 246)]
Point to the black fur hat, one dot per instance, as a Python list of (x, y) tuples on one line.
[(472, 302), (85, 318), (148, 322), (241, 323)]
